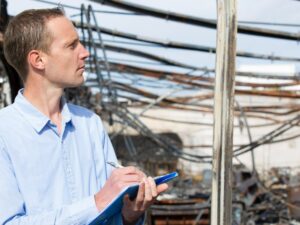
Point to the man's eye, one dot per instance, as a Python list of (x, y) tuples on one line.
[(73, 46)]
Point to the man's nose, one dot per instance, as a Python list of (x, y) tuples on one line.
[(84, 53)]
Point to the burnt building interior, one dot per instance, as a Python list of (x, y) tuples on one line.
[(125, 81)]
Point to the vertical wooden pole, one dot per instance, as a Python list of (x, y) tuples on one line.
[(221, 202)]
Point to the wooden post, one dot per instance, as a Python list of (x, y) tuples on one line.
[(221, 202)]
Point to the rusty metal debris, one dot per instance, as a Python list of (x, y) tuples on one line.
[(254, 201), (123, 92)]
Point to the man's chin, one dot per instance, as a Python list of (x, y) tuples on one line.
[(74, 85), (81, 79), (79, 83)]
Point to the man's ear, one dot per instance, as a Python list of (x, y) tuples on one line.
[(36, 59)]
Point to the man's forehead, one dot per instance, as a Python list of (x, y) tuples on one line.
[(62, 28)]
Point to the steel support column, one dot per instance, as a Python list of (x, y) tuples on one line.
[(221, 201)]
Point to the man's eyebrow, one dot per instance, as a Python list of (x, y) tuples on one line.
[(74, 41)]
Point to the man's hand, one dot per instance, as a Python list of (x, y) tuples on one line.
[(119, 179), (147, 193)]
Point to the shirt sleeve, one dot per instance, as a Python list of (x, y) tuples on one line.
[(13, 210), (110, 156), (103, 142)]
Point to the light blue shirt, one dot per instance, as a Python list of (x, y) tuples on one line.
[(47, 178)]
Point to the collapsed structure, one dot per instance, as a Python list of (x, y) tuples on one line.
[(161, 118)]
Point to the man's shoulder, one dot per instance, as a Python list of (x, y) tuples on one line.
[(77, 110), (82, 115), (9, 118), (7, 112)]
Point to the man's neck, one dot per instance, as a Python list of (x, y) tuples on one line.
[(47, 101)]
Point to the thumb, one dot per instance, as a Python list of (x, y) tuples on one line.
[(126, 199)]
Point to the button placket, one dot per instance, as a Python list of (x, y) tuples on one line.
[(68, 170)]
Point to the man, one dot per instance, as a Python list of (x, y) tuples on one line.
[(53, 155)]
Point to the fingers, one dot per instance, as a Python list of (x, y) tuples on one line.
[(127, 201), (147, 193), (131, 178), (140, 196), (129, 170), (127, 176), (152, 190), (152, 187)]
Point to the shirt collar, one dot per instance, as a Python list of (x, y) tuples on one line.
[(36, 118), (66, 115)]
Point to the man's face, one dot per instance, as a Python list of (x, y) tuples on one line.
[(65, 61)]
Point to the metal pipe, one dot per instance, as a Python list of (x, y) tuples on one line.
[(221, 208)]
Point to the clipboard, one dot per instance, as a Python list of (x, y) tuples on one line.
[(116, 205)]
